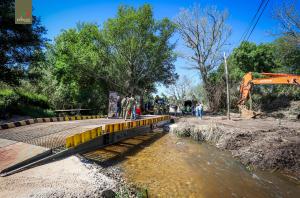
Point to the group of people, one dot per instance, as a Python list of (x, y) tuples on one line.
[(127, 106)]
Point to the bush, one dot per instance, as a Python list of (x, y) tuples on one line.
[(35, 112), (8, 101), (23, 103), (33, 99)]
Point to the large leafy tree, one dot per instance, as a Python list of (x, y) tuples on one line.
[(278, 56), (129, 55), (287, 55), (140, 50), (20, 45), (80, 62), (250, 57)]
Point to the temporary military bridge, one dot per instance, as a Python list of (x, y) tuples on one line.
[(33, 142)]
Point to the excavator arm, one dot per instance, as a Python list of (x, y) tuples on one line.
[(271, 79)]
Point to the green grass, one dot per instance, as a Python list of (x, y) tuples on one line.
[(33, 99), (35, 112), (19, 102)]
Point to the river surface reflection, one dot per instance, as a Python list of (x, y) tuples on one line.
[(179, 167)]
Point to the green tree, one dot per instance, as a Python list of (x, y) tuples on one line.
[(278, 56), (80, 63), (287, 55), (249, 57), (20, 45), (140, 50), (129, 55)]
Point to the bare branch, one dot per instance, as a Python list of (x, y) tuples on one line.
[(205, 32), (287, 14)]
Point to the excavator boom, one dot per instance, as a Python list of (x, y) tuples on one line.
[(271, 79)]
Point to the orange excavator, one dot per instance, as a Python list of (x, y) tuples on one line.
[(270, 79)]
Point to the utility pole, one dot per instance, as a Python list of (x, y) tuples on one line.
[(227, 87)]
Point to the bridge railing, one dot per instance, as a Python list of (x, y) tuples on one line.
[(85, 136)]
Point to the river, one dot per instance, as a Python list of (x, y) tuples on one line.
[(169, 166)]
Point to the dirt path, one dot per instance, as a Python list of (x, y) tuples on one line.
[(263, 143)]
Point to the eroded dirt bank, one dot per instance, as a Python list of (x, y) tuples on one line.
[(264, 143)]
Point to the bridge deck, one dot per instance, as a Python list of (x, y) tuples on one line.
[(51, 134), (26, 142)]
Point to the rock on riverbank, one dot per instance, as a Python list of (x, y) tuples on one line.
[(266, 144)]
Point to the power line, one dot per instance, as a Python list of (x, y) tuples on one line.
[(251, 22), (258, 19)]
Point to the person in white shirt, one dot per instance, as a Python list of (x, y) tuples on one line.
[(199, 110)]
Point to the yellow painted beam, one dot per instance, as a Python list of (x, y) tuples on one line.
[(111, 128), (99, 131), (128, 125), (134, 124), (77, 139), (106, 129), (69, 142), (93, 133), (85, 136), (116, 127), (121, 126)]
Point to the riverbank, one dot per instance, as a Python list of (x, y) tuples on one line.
[(159, 164), (70, 177), (263, 143)]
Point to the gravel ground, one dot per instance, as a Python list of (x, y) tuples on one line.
[(264, 143), (70, 177)]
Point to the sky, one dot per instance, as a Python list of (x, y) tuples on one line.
[(57, 15)]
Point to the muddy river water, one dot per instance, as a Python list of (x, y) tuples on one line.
[(180, 167), (169, 166)]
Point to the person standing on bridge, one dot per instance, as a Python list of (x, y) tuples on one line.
[(130, 107), (124, 102), (133, 110), (118, 111)]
